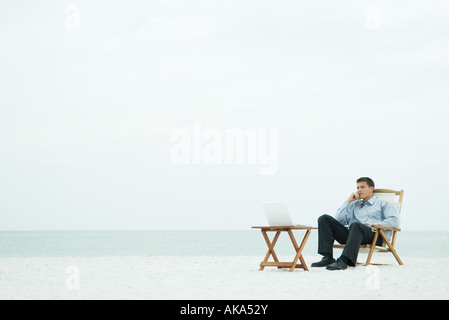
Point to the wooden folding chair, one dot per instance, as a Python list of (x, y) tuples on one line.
[(396, 198)]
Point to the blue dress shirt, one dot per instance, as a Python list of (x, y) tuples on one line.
[(374, 211)]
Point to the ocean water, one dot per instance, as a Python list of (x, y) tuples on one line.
[(187, 243)]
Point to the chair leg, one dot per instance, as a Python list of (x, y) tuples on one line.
[(390, 246), (373, 246)]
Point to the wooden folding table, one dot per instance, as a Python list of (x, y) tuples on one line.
[(293, 264)]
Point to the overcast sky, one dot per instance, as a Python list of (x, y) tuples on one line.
[(100, 102)]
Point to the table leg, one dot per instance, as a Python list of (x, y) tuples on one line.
[(270, 248), (299, 250)]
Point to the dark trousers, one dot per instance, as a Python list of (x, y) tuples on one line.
[(329, 229)]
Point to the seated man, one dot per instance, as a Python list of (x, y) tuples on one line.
[(361, 210)]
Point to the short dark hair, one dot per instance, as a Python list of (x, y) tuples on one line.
[(368, 181)]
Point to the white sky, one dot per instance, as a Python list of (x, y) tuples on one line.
[(86, 114)]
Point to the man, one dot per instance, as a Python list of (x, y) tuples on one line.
[(359, 212)]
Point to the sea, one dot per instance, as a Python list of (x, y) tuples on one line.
[(104, 243)]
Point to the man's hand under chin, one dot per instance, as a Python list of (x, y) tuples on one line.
[(353, 197)]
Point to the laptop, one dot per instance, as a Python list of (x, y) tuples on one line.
[(277, 214)]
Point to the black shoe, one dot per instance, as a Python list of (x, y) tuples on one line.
[(323, 263), (337, 265)]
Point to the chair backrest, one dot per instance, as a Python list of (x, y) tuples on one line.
[(393, 196)]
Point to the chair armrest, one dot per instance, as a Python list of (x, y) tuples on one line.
[(384, 227)]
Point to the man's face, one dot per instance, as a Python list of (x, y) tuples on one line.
[(363, 190)]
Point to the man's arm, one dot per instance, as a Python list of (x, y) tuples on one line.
[(344, 212), (391, 215)]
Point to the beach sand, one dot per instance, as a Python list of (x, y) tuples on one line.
[(217, 277)]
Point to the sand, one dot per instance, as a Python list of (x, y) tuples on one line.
[(218, 277)]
